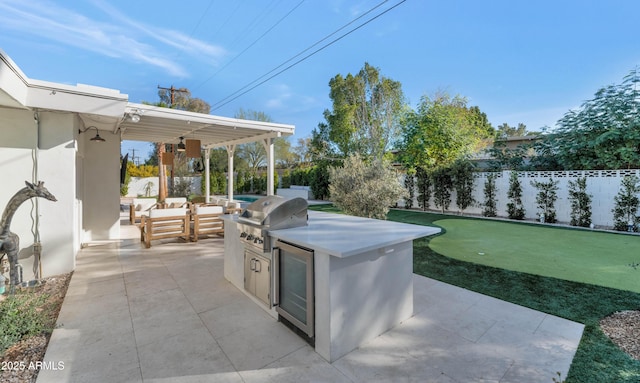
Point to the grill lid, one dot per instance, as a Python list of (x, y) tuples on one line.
[(276, 212)]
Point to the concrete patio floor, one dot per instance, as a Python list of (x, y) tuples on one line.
[(166, 314)]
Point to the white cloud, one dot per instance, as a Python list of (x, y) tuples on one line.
[(283, 94), (124, 38)]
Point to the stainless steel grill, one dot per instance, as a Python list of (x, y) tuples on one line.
[(270, 213)]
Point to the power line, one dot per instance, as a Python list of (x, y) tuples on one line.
[(250, 45), (301, 53), (254, 23), (195, 28), (240, 92)]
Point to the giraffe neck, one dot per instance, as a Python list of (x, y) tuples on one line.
[(15, 202)]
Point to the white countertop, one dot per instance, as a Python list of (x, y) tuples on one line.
[(344, 235)]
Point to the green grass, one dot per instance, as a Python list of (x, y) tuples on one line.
[(577, 293)]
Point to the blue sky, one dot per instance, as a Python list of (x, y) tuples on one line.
[(520, 62)]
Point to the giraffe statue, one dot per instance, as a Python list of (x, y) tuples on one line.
[(9, 242)]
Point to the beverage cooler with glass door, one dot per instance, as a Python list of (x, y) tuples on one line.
[(294, 285)]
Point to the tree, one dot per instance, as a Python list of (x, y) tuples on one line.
[(580, 202), (285, 157), (505, 130), (505, 158), (365, 189), (254, 155), (626, 204), (302, 150), (442, 184), (462, 176), (604, 133), (546, 199), (490, 209), (515, 208), (366, 113), (441, 131), (182, 100)]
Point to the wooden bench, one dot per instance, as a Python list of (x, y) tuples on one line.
[(164, 223)]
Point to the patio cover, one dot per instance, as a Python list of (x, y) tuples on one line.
[(151, 123), (157, 124)]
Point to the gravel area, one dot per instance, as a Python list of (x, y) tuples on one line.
[(20, 363), (624, 330)]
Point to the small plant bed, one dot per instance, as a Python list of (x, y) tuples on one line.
[(598, 358), (624, 330), (27, 320)]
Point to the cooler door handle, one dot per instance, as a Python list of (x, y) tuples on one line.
[(275, 256)]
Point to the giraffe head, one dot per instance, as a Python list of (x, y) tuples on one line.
[(38, 190)]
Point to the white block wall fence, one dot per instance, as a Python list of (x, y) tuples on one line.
[(603, 185), (138, 185)]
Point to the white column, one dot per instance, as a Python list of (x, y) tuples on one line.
[(207, 176), (268, 146), (230, 150)]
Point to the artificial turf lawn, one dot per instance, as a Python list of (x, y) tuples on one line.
[(597, 358), (598, 258)]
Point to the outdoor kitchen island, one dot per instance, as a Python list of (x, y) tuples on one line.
[(362, 275)]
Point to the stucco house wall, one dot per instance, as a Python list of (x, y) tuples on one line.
[(40, 141), (53, 162)]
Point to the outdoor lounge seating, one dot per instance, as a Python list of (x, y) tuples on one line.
[(175, 202), (164, 223), (140, 207), (232, 208), (207, 221)]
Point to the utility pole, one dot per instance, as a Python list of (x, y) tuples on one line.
[(136, 160), (172, 92)]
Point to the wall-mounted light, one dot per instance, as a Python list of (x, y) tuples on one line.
[(97, 138), (134, 115), (181, 146)]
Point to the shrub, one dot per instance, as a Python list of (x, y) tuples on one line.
[(181, 187), (462, 177), (410, 185), (442, 184), (241, 182), (424, 188), (217, 183), (20, 316), (490, 207), (319, 181), (286, 178), (580, 203), (546, 198), (626, 204), (515, 208), (365, 189)]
